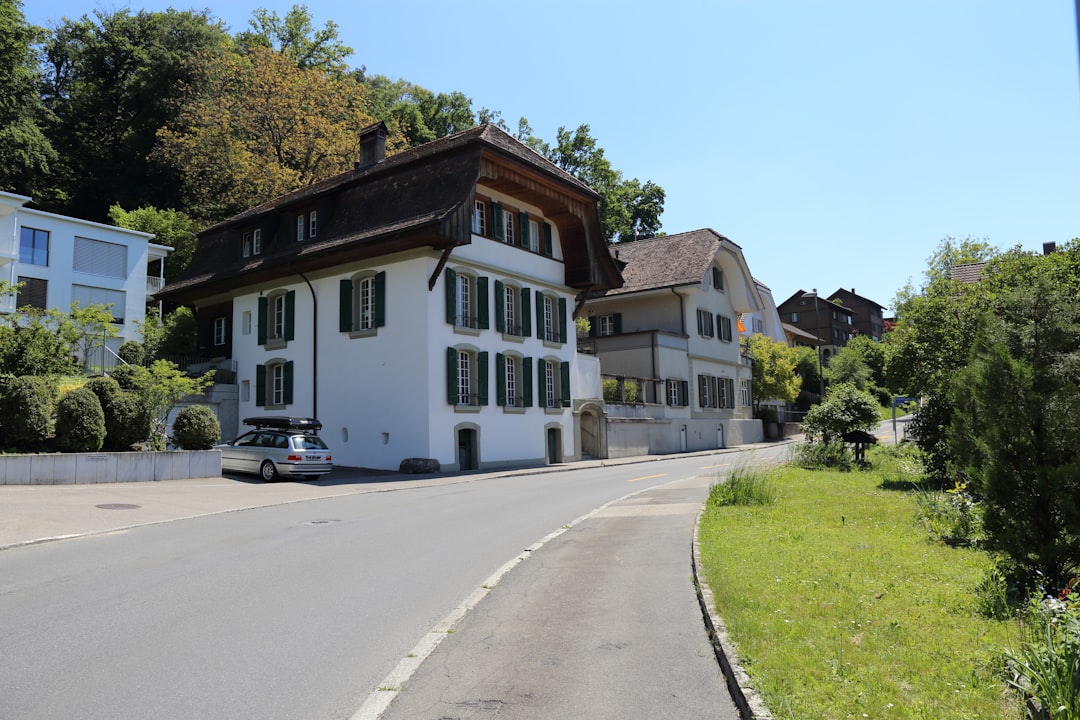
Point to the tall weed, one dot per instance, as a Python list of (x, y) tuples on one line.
[(743, 486)]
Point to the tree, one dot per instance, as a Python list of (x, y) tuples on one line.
[(416, 114), (170, 227), (861, 362), (807, 367), (111, 82), (845, 409), (773, 367), (87, 328), (259, 126), (295, 37), (1015, 435), (160, 387), (26, 153)]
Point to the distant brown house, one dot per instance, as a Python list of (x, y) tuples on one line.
[(867, 318), (831, 323)]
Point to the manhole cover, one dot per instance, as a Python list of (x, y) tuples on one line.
[(118, 506)]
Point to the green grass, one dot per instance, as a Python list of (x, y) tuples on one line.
[(841, 608)]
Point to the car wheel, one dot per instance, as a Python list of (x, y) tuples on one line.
[(268, 471)]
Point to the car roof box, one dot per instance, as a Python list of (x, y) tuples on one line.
[(284, 422)]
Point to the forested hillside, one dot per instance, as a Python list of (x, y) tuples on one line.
[(167, 121)]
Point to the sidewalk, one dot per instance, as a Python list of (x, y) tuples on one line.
[(41, 513)]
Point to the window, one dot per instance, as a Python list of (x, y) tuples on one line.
[(744, 393), (96, 257), (513, 381), (277, 318), (534, 236), (479, 217), (274, 384), (718, 279), (219, 331), (550, 318), (704, 323), (555, 383), (33, 246), (466, 377), (253, 242), (115, 300), (705, 398), (33, 293), (794, 317), (301, 223), (245, 322), (466, 300), (723, 328), (714, 392), (678, 392), (610, 324), (512, 310), (362, 303), (313, 223), (508, 227)]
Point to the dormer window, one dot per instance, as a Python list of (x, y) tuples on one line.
[(252, 242), (313, 224), (307, 226)]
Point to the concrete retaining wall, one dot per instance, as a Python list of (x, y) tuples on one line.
[(108, 467)]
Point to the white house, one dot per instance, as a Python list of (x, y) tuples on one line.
[(60, 260), (421, 305), (670, 335)]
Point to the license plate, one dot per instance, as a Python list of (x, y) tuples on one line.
[(313, 458)]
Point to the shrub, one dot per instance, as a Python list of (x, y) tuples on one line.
[(132, 377), (104, 387), (620, 390), (132, 353), (952, 517), (1046, 667), (846, 408), (744, 486), (80, 422), (822, 455), (127, 421), (27, 410), (196, 428)]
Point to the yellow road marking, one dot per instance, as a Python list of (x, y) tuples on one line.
[(648, 477)]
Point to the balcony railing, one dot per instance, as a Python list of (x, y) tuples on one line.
[(153, 284)]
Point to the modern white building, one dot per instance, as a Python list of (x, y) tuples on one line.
[(670, 335), (60, 260), (421, 305)]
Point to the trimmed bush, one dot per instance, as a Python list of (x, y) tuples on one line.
[(127, 421), (80, 422), (104, 387), (196, 428), (132, 377), (27, 408), (132, 353)]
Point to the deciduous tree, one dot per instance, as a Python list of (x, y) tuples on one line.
[(773, 367)]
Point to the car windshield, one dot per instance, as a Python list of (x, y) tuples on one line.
[(308, 442)]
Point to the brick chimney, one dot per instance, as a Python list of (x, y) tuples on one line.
[(372, 145)]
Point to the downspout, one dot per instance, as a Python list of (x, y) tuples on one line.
[(314, 347), (682, 310)]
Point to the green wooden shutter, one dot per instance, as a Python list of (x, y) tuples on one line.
[(482, 303), (290, 315), (684, 392), (541, 383), (451, 376), (287, 381), (564, 371), (380, 299), (540, 315), (451, 296), (563, 320), (345, 303), (523, 229), (702, 385), (263, 305), (527, 381), (617, 317), (497, 220), (548, 248), (500, 306), (500, 379), (482, 377), (260, 385), (526, 312)]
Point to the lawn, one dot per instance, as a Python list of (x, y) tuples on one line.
[(841, 607)]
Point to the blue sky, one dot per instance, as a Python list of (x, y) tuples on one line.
[(837, 142)]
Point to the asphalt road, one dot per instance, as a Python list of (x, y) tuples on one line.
[(290, 611)]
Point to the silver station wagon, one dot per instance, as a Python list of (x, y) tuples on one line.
[(279, 446)]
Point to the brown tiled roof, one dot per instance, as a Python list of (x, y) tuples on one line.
[(968, 272), (415, 198), (666, 261)]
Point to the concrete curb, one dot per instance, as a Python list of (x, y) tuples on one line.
[(747, 700)]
